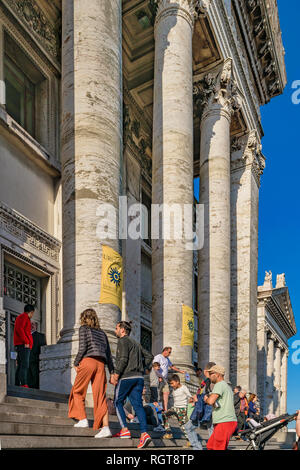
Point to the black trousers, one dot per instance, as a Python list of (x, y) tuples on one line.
[(23, 355), (33, 374)]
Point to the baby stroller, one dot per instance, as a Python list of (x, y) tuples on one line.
[(260, 435)]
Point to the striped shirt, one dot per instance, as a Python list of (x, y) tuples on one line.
[(94, 343)]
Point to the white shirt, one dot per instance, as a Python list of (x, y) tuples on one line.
[(165, 363), (181, 396)]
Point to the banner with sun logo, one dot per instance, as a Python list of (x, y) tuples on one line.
[(111, 277), (187, 338)]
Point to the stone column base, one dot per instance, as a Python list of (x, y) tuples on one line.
[(57, 373), (3, 382)]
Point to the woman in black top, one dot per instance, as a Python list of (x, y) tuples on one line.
[(93, 354)]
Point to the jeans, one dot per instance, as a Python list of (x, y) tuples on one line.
[(193, 437), (23, 364), (133, 389)]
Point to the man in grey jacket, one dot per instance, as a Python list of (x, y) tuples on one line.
[(131, 362)]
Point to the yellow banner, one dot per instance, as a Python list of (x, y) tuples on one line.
[(187, 338), (111, 277)]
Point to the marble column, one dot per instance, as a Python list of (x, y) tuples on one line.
[(262, 347), (91, 148), (277, 379), (247, 165), (214, 257), (172, 170), (284, 366), (3, 377), (270, 376), (2, 83)]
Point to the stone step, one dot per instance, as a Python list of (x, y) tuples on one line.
[(33, 393), (63, 442), (35, 403), (38, 429), (41, 411)]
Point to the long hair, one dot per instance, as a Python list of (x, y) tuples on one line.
[(252, 396), (89, 318)]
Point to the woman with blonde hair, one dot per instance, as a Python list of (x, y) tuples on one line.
[(253, 409), (93, 354)]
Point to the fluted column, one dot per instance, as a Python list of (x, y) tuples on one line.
[(91, 146), (284, 365), (247, 163), (91, 149), (277, 379), (172, 170), (214, 257), (2, 83), (270, 375)]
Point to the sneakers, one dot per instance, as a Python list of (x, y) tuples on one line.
[(104, 432), (144, 441), (83, 423), (159, 428), (123, 434), (187, 445)]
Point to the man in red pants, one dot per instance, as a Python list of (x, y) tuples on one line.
[(223, 416)]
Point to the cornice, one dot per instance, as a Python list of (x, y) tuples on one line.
[(272, 335), (27, 232), (279, 317), (32, 17), (263, 30), (217, 9)]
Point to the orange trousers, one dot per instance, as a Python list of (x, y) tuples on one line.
[(89, 370)]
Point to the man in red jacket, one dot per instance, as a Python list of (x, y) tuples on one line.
[(23, 344)]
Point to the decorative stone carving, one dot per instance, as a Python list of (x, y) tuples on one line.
[(280, 281), (30, 13), (25, 231), (184, 8), (201, 8), (2, 325), (134, 135), (196, 8), (202, 91), (219, 87), (268, 279), (247, 151)]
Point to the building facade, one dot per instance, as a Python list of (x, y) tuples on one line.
[(275, 326), (134, 98)]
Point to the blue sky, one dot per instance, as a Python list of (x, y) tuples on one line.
[(279, 212)]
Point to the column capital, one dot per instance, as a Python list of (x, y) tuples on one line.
[(272, 337), (217, 92), (188, 9), (247, 151)]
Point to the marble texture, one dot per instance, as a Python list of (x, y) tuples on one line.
[(172, 181)]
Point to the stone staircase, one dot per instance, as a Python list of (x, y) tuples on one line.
[(31, 423), (38, 420)]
